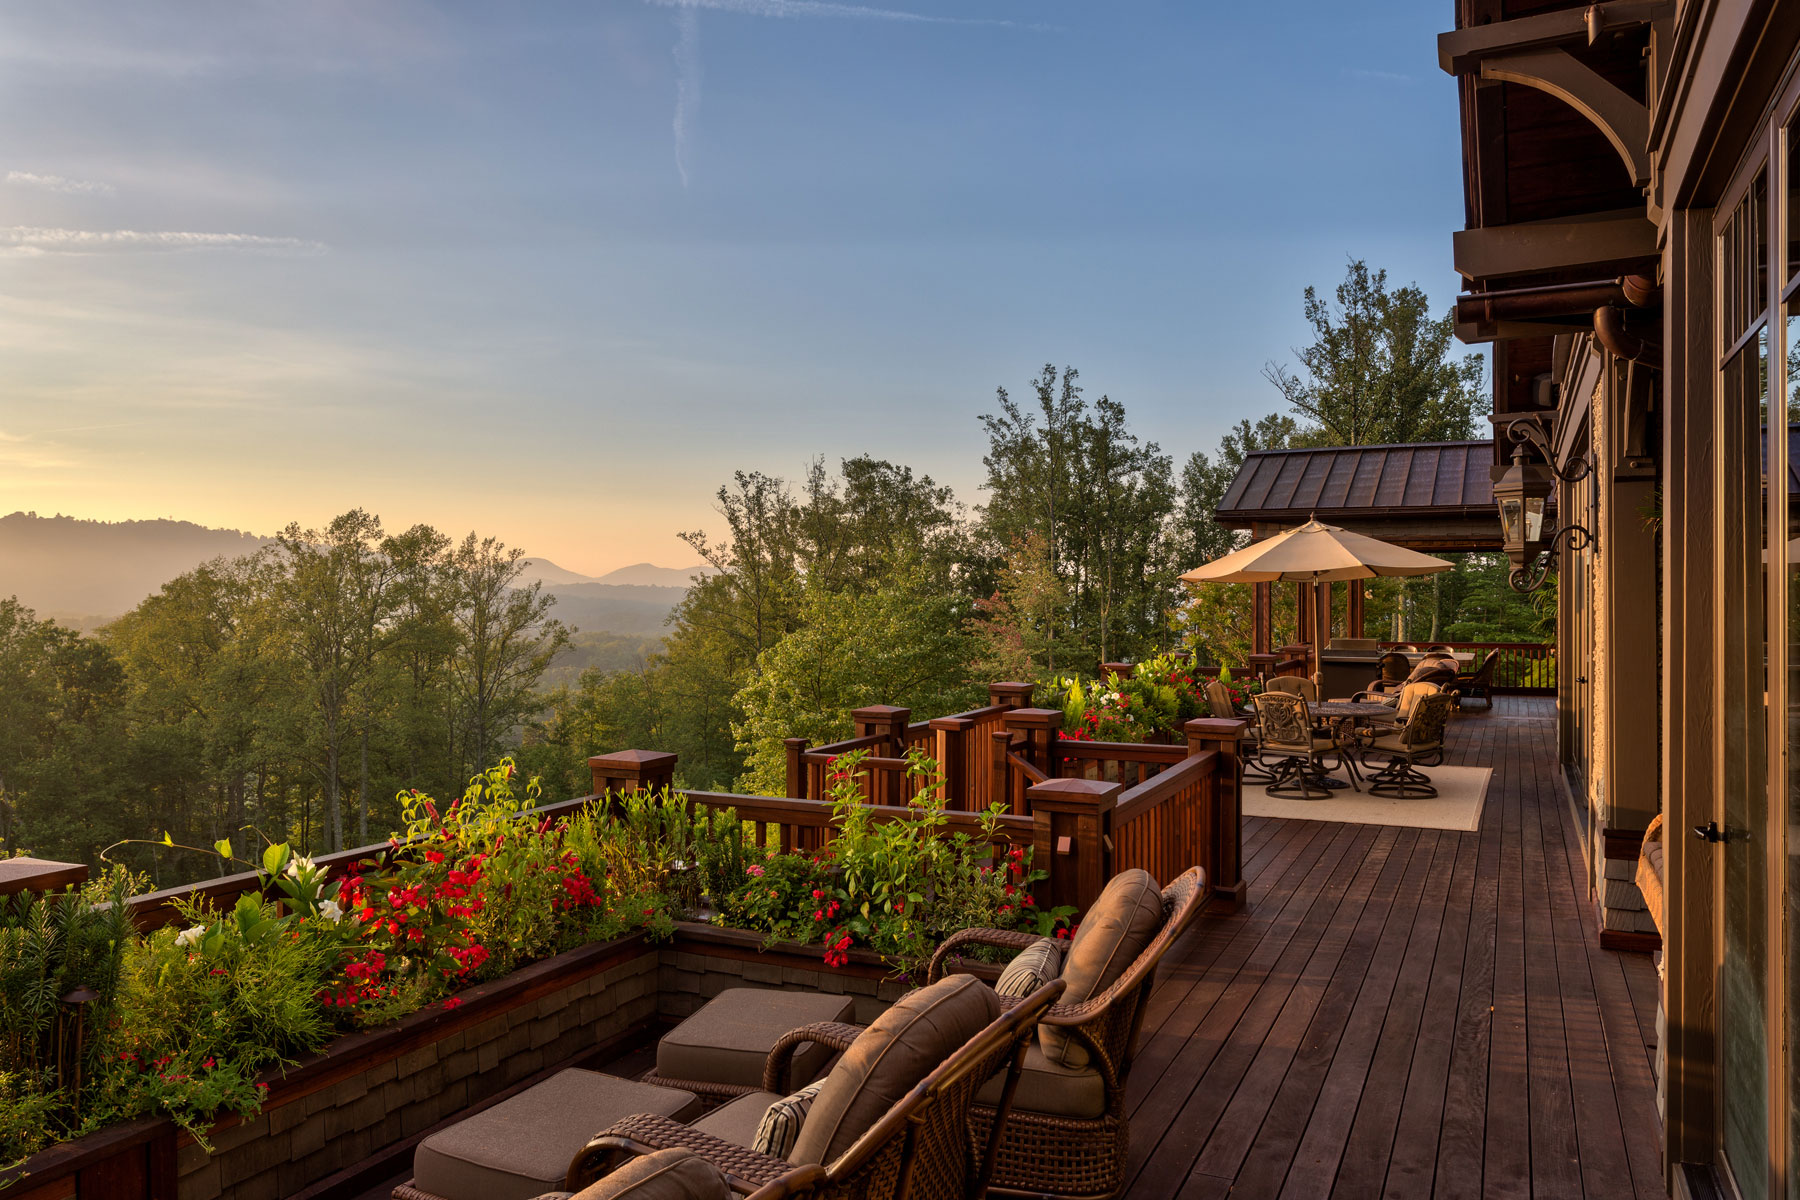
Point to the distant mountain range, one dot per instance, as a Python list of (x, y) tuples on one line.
[(85, 573)]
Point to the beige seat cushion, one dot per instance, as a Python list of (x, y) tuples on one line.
[(729, 1039), (736, 1121), (1030, 969), (1120, 923), (673, 1174), (1051, 1089), (521, 1147), (904, 1045)]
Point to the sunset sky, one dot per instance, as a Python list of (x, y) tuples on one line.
[(553, 271)]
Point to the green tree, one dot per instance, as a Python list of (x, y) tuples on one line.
[(1023, 630), (1198, 537), (1379, 369), (1101, 499), (898, 644)]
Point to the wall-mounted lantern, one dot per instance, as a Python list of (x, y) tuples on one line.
[(1523, 494)]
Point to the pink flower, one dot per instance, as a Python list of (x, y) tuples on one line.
[(754, 869)]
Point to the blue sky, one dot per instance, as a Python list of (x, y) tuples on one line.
[(552, 271)]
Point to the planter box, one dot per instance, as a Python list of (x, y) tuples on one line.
[(375, 1093), (366, 1091)]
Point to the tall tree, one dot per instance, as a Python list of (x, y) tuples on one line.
[(1198, 537), (1379, 369), (1101, 499), (506, 641)]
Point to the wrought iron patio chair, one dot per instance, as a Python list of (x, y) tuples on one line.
[(1292, 750), (1418, 742)]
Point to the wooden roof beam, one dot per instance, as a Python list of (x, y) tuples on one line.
[(1561, 243), (1462, 51)]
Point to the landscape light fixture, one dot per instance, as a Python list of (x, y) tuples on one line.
[(1523, 494)]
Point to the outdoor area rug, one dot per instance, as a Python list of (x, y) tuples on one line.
[(1461, 793)]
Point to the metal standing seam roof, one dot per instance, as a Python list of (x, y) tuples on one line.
[(1423, 480)]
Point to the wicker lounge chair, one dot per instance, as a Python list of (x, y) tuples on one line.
[(1420, 740), (1395, 668), (891, 1121), (1068, 1133)]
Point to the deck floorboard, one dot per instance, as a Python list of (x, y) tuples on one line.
[(1406, 1012)]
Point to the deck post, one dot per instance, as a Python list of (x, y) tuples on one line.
[(1072, 837), (1224, 876), (632, 771), (886, 722), (796, 767), (1040, 726), (1262, 618), (1353, 609), (39, 875), (952, 751)]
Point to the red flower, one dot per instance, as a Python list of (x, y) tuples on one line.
[(453, 1002)]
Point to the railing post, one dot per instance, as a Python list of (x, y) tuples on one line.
[(796, 767), (1011, 694), (999, 745), (952, 752), (1121, 669), (1072, 837), (1040, 726), (886, 722), (1224, 736), (632, 771)]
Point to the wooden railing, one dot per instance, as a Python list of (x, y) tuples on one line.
[(1525, 668), (1179, 809)]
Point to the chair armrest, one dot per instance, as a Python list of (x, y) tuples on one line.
[(833, 1034), (1000, 939), (646, 1133)]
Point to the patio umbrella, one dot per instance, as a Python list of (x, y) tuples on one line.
[(1315, 553)]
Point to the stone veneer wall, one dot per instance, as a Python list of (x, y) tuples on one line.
[(295, 1142)]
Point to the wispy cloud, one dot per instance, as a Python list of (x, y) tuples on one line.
[(687, 83), (56, 183), (826, 8), (29, 454), (32, 239)]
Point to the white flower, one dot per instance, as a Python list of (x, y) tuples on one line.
[(297, 864), (190, 936), (330, 911)]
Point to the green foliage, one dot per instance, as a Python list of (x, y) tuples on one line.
[(898, 644)]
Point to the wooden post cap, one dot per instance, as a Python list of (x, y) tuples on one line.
[(880, 712), (1089, 794), (1216, 728), (38, 875), (632, 770), (1011, 693), (1035, 718)]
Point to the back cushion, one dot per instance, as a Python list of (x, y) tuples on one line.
[(672, 1174), (1030, 969), (904, 1045), (1117, 928)]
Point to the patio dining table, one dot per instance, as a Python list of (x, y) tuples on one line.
[(1341, 717)]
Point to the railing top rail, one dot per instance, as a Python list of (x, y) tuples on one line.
[(1025, 767), (1421, 644), (1153, 791), (1122, 751), (846, 746), (992, 712)]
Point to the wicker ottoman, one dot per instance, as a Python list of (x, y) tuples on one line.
[(719, 1052), (521, 1148)]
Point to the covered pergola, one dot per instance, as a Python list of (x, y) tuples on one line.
[(1430, 496)]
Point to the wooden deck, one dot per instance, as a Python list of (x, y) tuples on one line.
[(1406, 1012)]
